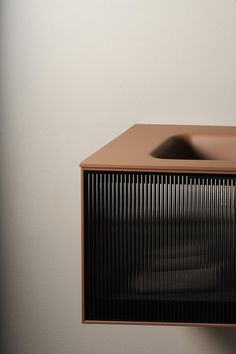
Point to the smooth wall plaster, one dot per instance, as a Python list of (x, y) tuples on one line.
[(74, 74)]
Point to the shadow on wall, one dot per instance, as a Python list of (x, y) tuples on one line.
[(225, 338)]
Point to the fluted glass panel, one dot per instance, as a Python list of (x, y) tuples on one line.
[(159, 247)]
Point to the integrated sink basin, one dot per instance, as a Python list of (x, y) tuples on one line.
[(197, 147)]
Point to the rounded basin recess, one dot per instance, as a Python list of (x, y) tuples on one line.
[(197, 147)]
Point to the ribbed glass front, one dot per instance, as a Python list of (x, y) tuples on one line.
[(159, 247)]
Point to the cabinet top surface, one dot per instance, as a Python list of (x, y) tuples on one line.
[(173, 148)]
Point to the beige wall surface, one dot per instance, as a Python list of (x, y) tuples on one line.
[(74, 74)]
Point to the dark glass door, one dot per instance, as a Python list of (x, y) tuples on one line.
[(159, 247)]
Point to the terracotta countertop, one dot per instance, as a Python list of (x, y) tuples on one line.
[(165, 148)]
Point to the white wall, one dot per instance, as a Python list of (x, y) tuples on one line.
[(74, 74)]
